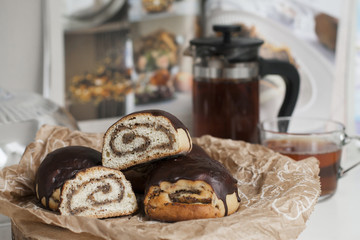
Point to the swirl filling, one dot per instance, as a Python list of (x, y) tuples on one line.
[(139, 138), (94, 193)]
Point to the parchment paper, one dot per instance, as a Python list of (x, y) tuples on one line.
[(277, 195)]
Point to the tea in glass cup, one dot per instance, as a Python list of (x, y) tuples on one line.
[(300, 138)]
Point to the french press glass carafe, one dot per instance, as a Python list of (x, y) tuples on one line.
[(226, 85)]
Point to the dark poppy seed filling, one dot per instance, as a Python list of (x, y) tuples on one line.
[(197, 165), (94, 198), (143, 137), (98, 192), (181, 197), (130, 136)]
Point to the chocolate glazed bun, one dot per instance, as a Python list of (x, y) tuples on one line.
[(59, 166), (144, 136), (138, 176), (190, 187)]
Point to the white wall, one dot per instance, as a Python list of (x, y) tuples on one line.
[(21, 45)]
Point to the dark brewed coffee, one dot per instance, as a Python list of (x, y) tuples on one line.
[(327, 152), (226, 108)]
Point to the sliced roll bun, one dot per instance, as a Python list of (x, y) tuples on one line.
[(98, 192), (142, 137), (190, 187), (59, 166)]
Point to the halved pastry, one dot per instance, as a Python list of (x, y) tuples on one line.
[(190, 187), (98, 192), (142, 137), (59, 166)]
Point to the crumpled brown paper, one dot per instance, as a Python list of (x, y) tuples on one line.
[(277, 195)]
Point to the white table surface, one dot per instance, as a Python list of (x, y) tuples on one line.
[(337, 218)]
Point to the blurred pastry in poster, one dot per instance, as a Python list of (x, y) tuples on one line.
[(155, 6), (160, 38), (102, 90), (98, 57), (156, 56)]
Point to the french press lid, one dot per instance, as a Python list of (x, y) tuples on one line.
[(234, 49)]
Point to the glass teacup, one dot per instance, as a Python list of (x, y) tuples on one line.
[(300, 138)]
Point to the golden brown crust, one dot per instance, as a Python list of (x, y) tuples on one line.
[(232, 203), (185, 200), (172, 212), (53, 200)]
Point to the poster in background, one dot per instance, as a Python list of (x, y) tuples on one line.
[(96, 47), (161, 31), (303, 33), (132, 56)]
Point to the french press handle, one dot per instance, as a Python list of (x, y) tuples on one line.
[(291, 77)]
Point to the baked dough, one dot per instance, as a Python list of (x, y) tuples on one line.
[(142, 137), (59, 166), (190, 187), (98, 192)]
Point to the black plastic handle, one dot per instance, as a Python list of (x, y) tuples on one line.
[(291, 78)]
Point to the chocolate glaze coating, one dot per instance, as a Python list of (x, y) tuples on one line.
[(138, 176), (61, 165), (197, 165)]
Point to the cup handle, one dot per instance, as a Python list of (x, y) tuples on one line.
[(347, 140)]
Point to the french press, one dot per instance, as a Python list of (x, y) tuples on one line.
[(226, 73)]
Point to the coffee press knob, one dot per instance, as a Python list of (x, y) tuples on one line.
[(226, 31)]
